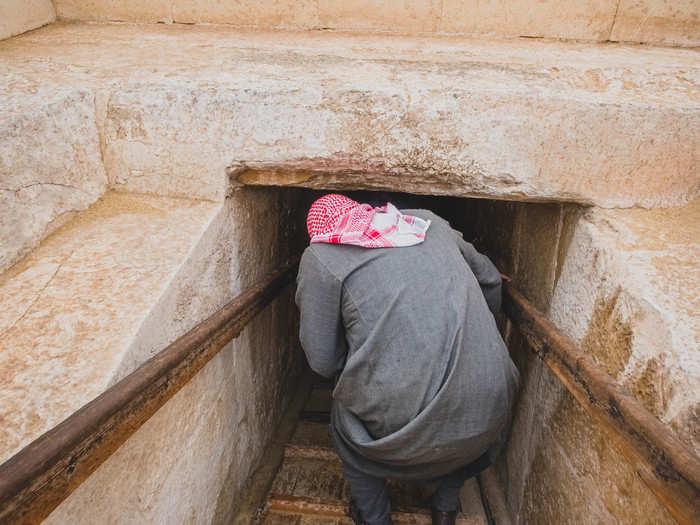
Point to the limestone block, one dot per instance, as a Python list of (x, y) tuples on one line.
[(72, 307), (649, 21), (517, 459), (285, 14), (510, 120), (570, 19), (218, 423), (412, 16), (164, 265), (658, 22), (628, 294), (539, 227), (50, 166), (437, 131), (115, 10), (19, 16), (622, 283), (578, 477), (253, 232)]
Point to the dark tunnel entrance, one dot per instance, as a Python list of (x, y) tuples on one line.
[(526, 241)]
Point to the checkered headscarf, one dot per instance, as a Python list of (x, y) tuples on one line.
[(336, 219)]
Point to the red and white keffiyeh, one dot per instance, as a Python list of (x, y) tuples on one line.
[(336, 219)]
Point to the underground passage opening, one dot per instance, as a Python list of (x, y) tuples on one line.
[(245, 374), (302, 476)]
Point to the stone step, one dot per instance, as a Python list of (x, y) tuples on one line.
[(165, 109), (310, 487), (313, 513), (311, 452), (73, 308), (309, 434), (312, 484), (650, 21), (18, 16)]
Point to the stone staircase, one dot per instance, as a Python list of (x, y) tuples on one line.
[(309, 487), (121, 226)]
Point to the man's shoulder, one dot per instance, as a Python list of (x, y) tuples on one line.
[(424, 214), (330, 258)]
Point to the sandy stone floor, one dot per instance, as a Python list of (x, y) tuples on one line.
[(71, 309)]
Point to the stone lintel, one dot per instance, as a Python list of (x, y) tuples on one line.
[(341, 173)]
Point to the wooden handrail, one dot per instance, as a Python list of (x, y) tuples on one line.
[(665, 464), (35, 480), (45, 472)]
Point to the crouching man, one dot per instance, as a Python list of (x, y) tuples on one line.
[(398, 307)]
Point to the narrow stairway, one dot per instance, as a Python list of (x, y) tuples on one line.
[(309, 488)]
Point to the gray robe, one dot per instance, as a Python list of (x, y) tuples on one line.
[(425, 383)]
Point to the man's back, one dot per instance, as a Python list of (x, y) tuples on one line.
[(426, 380)]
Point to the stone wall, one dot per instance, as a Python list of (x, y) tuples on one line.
[(164, 109), (19, 16), (200, 447), (50, 166), (616, 281), (621, 284), (649, 21)]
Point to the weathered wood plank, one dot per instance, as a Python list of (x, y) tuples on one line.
[(311, 511), (665, 464), (35, 480), (309, 433)]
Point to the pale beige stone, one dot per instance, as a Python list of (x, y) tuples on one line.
[(285, 14), (410, 16), (628, 292), (649, 21), (19, 16), (578, 477), (624, 285), (613, 126), (71, 309), (219, 422), (674, 22), (106, 292), (50, 164), (569, 19), (116, 10)]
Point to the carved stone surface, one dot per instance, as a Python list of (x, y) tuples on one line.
[(657, 22), (19, 16), (526, 120), (50, 165), (629, 292), (110, 289), (650, 21), (72, 307), (624, 285), (166, 110)]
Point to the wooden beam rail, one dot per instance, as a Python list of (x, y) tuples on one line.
[(45, 472), (665, 464), (39, 477)]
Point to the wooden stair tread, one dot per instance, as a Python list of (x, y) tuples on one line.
[(310, 489)]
